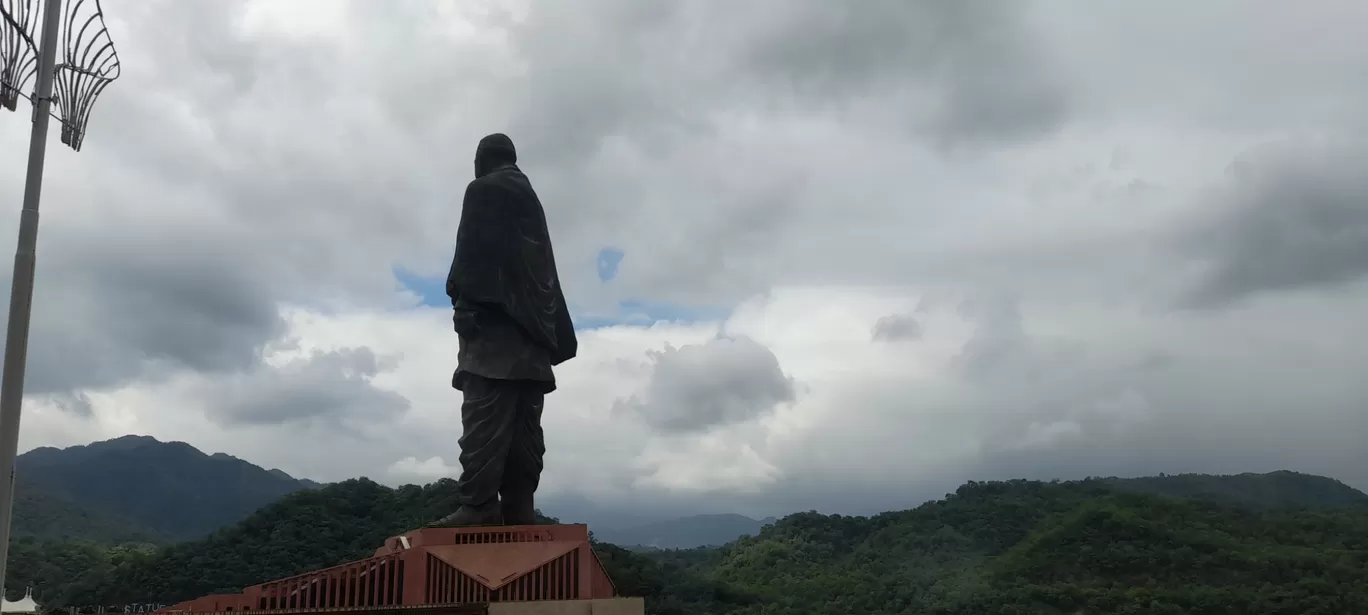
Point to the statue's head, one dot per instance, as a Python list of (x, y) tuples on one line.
[(493, 152)]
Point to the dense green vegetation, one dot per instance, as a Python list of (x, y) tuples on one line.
[(998, 547), (1280, 489), (1027, 547), (141, 489), (67, 573), (39, 513), (304, 531)]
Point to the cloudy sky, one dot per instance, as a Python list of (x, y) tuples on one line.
[(824, 255)]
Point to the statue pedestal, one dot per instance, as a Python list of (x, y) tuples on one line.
[(500, 570), (504, 563)]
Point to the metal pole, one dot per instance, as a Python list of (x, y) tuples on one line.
[(21, 287)]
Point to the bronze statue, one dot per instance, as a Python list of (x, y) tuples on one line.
[(513, 326)]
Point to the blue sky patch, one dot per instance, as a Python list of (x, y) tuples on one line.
[(608, 261), (646, 313), (432, 292)]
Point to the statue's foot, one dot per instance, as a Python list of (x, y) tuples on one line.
[(485, 514), (518, 509)]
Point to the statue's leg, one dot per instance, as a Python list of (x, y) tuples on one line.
[(522, 474), (488, 419)]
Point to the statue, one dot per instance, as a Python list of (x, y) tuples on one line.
[(513, 326)]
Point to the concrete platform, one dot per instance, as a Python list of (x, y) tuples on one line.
[(598, 606), (445, 569)]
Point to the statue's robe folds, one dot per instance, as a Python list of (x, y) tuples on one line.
[(513, 326)]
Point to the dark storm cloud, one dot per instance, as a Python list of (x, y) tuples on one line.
[(896, 328), (73, 403), (973, 61), (969, 66), (1291, 217), (720, 382), (999, 344), (644, 80), (210, 192), (333, 387), (112, 305)]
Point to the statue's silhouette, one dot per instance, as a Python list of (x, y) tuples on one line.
[(513, 326)]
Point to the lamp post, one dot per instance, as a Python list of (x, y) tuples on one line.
[(89, 63)]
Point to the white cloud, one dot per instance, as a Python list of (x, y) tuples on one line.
[(869, 416), (722, 381), (411, 470)]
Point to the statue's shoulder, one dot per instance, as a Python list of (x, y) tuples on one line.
[(507, 175), (483, 187), (500, 178)]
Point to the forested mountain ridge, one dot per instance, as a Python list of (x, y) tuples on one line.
[(1281, 489), (42, 514), (163, 491), (138, 489), (990, 547), (1031, 547), (303, 531)]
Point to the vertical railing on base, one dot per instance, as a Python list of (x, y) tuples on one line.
[(374, 582)]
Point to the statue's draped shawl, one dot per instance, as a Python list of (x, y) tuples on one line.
[(504, 262)]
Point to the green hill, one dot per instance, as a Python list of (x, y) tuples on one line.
[(997, 547), (158, 490), (66, 573), (1030, 547), (42, 514), (1280, 489), (300, 532), (1174, 556)]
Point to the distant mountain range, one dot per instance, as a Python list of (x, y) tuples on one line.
[(137, 488), (685, 532), (1248, 538), (44, 514), (140, 489), (1274, 490)]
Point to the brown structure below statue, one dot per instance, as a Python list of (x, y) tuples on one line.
[(510, 570)]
